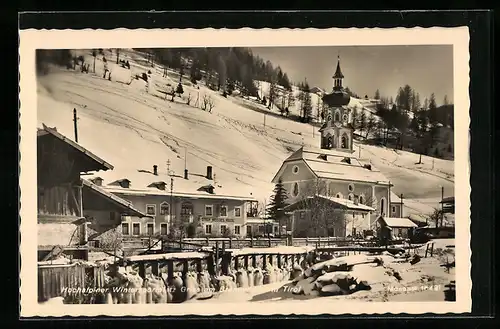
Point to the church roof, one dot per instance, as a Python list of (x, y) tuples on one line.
[(338, 73), (334, 168)]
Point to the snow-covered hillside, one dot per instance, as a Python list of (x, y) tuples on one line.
[(134, 128), (366, 105)]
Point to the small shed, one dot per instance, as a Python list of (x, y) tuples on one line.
[(395, 228)]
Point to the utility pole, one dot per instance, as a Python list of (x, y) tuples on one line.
[(401, 211), (442, 205), (75, 124), (171, 200)]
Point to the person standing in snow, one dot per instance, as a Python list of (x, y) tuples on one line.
[(106, 70)]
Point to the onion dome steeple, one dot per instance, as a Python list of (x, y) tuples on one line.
[(338, 97)]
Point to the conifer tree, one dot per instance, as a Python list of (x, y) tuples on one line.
[(277, 203)]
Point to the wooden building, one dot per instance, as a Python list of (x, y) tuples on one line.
[(391, 228), (67, 204)]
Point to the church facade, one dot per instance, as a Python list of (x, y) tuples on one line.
[(355, 192)]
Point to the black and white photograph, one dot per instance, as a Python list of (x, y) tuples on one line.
[(224, 178)]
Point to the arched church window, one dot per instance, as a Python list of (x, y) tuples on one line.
[(295, 169), (295, 190), (329, 143), (351, 197), (362, 199), (339, 196), (337, 116), (382, 206)]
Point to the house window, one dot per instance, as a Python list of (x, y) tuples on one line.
[(237, 211), (223, 211), (249, 229), (186, 209), (223, 229), (393, 209), (151, 229), (261, 228), (164, 209), (237, 229), (275, 229), (151, 209), (350, 187), (208, 229), (136, 228), (295, 190), (295, 169), (354, 231), (125, 229), (209, 210), (163, 228), (302, 215)]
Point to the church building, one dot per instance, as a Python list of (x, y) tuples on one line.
[(330, 190)]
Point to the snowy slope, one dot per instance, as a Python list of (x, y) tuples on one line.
[(133, 129)]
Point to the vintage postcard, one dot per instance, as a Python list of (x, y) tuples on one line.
[(220, 172)]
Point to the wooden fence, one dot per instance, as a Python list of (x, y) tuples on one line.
[(57, 280)]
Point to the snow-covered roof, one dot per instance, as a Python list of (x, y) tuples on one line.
[(335, 168), (281, 250), (169, 256), (338, 203), (398, 222), (123, 204), (101, 164), (395, 198), (141, 183)]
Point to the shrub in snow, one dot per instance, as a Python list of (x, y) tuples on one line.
[(179, 89)]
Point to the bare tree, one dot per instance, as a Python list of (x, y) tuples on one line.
[(208, 103), (324, 216)]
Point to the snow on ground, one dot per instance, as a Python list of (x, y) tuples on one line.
[(134, 127), (424, 281)]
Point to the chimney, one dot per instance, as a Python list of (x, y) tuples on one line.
[(186, 174), (155, 170), (209, 172)]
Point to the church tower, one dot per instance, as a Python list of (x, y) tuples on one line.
[(337, 131)]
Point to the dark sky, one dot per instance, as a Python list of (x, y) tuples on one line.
[(427, 69)]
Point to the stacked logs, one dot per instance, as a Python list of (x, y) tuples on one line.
[(331, 277)]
